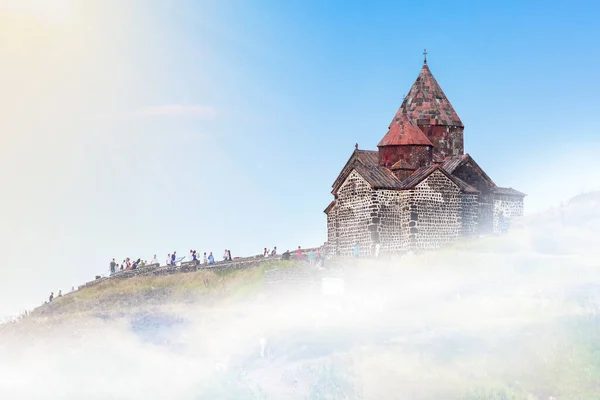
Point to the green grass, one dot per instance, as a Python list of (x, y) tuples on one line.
[(207, 287)]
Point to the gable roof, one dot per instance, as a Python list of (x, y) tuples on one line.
[(366, 163), (508, 192), (401, 164), (422, 173), (403, 131), (451, 164), (426, 103), (329, 207)]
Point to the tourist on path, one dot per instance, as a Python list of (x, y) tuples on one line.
[(173, 257), (211, 259), (168, 259), (274, 252), (51, 297), (113, 266), (154, 260), (377, 248), (205, 260), (356, 250), (229, 255), (265, 252), (310, 257), (299, 253), (225, 255)]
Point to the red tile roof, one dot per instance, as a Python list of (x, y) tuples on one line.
[(426, 103), (403, 131)]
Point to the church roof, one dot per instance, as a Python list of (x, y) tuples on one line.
[(508, 192), (366, 163), (426, 103), (378, 177), (451, 164), (422, 173), (401, 164), (403, 131)]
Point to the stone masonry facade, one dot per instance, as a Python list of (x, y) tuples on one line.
[(418, 190)]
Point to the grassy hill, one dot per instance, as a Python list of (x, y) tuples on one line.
[(511, 317)]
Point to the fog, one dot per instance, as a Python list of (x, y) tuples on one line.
[(515, 315)]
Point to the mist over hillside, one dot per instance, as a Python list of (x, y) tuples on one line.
[(510, 317)]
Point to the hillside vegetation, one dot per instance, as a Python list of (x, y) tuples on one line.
[(510, 317)]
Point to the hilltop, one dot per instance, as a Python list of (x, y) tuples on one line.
[(503, 317)]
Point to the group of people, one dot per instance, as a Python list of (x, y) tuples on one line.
[(197, 259), (126, 264), (51, 297), (270, 253), (194, 256), (172, 260), (317, 258), (356, 250)]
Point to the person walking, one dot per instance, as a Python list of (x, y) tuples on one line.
[(113, 266), (299, 253), (211, 258)]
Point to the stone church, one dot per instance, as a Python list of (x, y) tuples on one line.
[(419, 189)]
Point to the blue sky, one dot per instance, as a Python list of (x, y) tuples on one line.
[(140, 128)]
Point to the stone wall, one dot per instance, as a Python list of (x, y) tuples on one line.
[(435, 212), (188, 266), (429, 216), (416, 156), (470, 212), (474, 177), (390, 209), (510, 207), (332, 225), (352, 217), (447, 140)]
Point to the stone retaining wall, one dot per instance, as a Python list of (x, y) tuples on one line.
[(189, 266)]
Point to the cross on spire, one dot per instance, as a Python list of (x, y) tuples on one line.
[(425, 55)]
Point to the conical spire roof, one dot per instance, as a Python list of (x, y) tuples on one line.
[(427, 104), (403, 131)]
